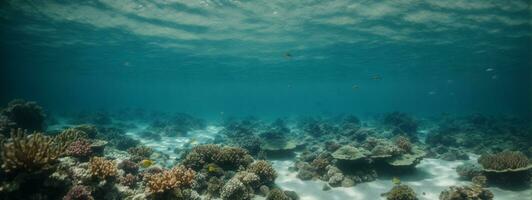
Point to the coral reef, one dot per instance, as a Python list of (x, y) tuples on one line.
[(79, 192), (234, 189), (140, 153), (468, 171), (504, 160), (277, 194), (80, 149), (29, 153), (466, 193), (226, 157), (264, 170), (401, 124), (68, 136), (401, 192), (128, 166), (128, 180), (22, 114), (102, 168), (178, 177), (404, 144)]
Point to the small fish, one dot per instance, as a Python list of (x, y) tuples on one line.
[(489, 69), (396, 181), (146, 163), (494, 77), (432, 93), (376, 77), (288, 55), (193, 141), (354, 87)]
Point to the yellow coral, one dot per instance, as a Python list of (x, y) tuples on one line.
[(28, 153), (178, 177), (102, 168)]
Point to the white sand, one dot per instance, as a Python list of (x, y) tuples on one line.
[(432, 177)]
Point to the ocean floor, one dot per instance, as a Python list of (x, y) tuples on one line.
[(431, 177)]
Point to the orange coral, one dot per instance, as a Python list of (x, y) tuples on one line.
[(102, 168), (177, 177)]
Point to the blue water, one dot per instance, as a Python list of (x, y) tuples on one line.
[(273, 58)]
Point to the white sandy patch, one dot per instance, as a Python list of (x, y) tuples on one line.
[(167, 144), (432, 177)]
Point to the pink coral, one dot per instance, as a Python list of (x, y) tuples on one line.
[(79, 148)]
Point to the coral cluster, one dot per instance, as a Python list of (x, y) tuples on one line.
[(102, 168), (28, 153), (264, 170), (468, 170), (22, 114), (79, 148), (140, 153), (401, 192), (473, 192), (504, 160), (79, 192), (177, 177), (226, 157)]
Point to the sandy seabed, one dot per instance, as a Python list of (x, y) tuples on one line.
[(430, 177)]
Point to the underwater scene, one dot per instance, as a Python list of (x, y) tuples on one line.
[(265, 100)]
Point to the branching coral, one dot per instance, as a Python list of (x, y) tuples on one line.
[(129, 180), (233, 157), (234, 189), (178, 177), (277, 194), (102, 168), (79, 192), (63, 139), (264, 170), (225, 157), (504, 160), (28, 153), (79, 148), (140, 153), (474, 192)]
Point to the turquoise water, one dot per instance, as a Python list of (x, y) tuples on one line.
[(274, 58)]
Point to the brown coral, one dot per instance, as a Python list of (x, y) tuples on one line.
[(102, 168), (225, 157), (233, 157), (140, 153), (28, 153), (264, 170), (66, 137), (403, 143), (504, 160), (178, 177)]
